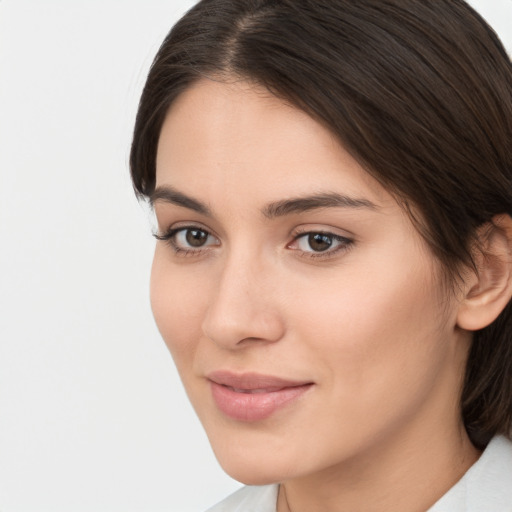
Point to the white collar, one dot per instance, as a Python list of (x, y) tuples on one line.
[(486, 487)]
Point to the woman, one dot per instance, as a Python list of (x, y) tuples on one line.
[(332, 182)]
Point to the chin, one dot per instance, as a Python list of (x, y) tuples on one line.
[(251, 469), (249, 474)]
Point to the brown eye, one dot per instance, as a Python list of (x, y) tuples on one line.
[(196, 237), (189, 239), (319, 242)]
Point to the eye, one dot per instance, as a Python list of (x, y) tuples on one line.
[(317, 243), (188, 239), (191, 237)]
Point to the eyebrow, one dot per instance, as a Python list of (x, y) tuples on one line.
[(314, 202), (275, 209), (171, 195)]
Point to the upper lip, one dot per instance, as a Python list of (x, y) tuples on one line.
[(252, 381)]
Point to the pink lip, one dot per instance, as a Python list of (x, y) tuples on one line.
[(253, 397)]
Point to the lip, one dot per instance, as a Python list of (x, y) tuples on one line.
[(253, 397)]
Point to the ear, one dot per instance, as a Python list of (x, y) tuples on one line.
[(490, 289)]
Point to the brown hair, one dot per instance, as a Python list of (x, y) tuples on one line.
[(420, 93)]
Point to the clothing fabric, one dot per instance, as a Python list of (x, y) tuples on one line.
[(486, 487)]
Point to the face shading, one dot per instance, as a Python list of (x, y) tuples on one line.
[(303, 310)]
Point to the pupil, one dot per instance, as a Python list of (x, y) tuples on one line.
[(319, 242), (196, 237)]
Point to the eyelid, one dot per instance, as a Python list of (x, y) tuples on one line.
[(172, 228), (169, 237), (342, 242), (345, 242)]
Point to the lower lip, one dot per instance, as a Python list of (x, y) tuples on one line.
[(254, 406)]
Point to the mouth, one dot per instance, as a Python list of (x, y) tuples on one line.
[(253, 391), (251, 397)]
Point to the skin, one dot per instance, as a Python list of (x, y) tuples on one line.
[(368, 321)]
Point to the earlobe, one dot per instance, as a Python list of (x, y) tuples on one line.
[(489, 290)]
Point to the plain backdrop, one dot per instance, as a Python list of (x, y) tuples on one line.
[(92, 414)]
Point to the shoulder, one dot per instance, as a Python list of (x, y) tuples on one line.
[(487, 485), (249, 499)]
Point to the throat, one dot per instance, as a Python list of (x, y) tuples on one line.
[(383, 482)]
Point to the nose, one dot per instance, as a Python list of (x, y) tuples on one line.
[(244, 306)]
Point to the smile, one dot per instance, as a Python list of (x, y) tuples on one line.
[(253, 397), (251, 391)]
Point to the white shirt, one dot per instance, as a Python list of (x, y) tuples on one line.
[(486, 487)]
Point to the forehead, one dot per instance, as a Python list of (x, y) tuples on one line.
[(238, 136)]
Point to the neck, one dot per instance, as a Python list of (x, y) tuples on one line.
[(408, 474)]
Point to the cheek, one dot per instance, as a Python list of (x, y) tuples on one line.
[(376, 327), (178, 303)]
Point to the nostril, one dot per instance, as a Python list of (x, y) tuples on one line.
[(240, 330)]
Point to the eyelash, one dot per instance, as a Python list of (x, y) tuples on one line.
[(169, 237), (344, 243)]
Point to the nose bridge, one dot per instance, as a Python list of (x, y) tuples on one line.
[(243, 305)]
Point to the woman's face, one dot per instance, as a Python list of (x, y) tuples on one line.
[(303, 311)]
